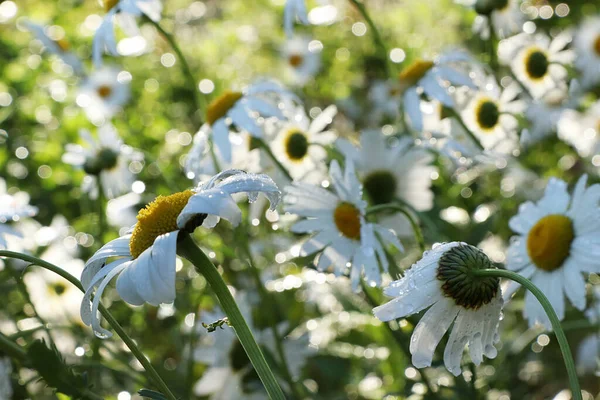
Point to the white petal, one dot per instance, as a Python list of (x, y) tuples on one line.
[(114, 248), (412, 105), (410, 302), (212, 201)]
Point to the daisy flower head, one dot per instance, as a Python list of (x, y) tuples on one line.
[(582, 130), (125, 13), (505, 16), (340, 231), (13, 207), (241, 110), (297, 143), (425, 77), (103, 93), (57, 45), (442, 282), (537, 60), (385, 97), (105, 160), (294, 10), (587, 49), (557, 241), (146, 255), (303, 60)]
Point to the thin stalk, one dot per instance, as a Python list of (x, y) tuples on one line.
[(188, 249), (11, 348), (269, 152), (105, 313), (460, 121), (189, 379), (376, 35), (396, 207), (556, 326), (492, 45)]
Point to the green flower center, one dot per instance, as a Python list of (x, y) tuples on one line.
[(105, 159), (296, 145), (380, 187), (536, 64), (58, 288), (487, 114), (549, 241)]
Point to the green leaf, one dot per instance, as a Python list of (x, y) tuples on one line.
[(151, 394)]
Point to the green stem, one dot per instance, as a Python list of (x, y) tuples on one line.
[(107, 315), (460, 121), (492, 46), (556, 327), (395, 207), (11, 348), (188, 249), (376, 35), (269, 152)]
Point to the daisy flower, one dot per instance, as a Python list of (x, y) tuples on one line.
[(106, 159), (294, 10), (102, 94), (13, 207), (588, 354), (298, 143), (587, 49), (557, 240), (125, 13), (537, 61), (337, 221), (427, 77), (581, 130), (60, 46), (507, 19), (146, 254), (385, 97), (239, 109), (302, 60), (6, 390), (440, 281)]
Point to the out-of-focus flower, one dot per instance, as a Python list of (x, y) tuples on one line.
[(60, 47), (558, 240), (506, 20), (102, 94), (385, 97), (12, 208), (588, 354), (106, 158), (146, 255), (427, 77), (587, 49), (294, 10), (303, 61), (338, 223), (440, 280), (121, 211), (125, 13), (581, 130), (6, 390)]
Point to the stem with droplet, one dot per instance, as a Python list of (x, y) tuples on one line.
[(395, 207)]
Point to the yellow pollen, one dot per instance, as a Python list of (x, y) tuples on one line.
[(157, 218), (104, 91), (347, 219), (219, 106), (597, 45), (296, 60), (415, 71), (549, 241), (109, 4), (63, 44)]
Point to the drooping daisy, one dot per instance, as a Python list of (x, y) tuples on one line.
[(506, 18), (441, 280), (385, 97), (102, 94), (557, 240), (298, 143), (6, 391), (581, 130), (427, 77), (146, 255), (587, 48), (125, 13), (537, 61), (303, 60), (400, 171), (337, 220), (106, 158), (238, 109), (294, 10), (13, 207), (60, 46)]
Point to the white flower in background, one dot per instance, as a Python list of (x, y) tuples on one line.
[(6, 391), (13, 207), (507, 19), (558, 240), (536, 60), (303, 60), (297, 143), (294, 10), (146, 255), (240, 109), (340, 231), (581, 130), (59, 46), (491, 114), (121, 212), (392, 170), (106, 158), (125, 13), (588, 354), (385, 97), (428, 78), (439, 280), (102, 94), (587, 50)]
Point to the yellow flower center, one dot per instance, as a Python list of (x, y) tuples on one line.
[(63, 44), (109, 4), (296, 60), (296, 145), (415, 71), (487, 114), (549, 241), (157, 218), (219, 106), (347, 219), (104, 91), (597, 45)]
